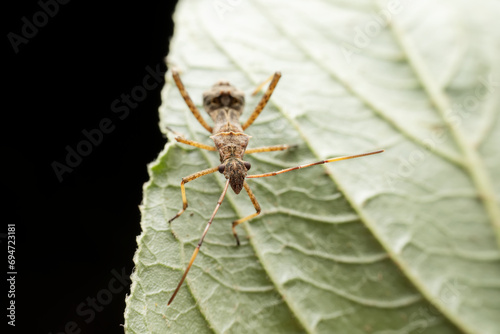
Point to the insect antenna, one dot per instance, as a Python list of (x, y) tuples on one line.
[(195, 253), (312, 164)]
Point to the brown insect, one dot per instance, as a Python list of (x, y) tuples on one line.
[(224, 103)]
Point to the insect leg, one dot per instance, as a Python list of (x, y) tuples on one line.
[(259, 87), (269, 148), (189, 102), (195, 144), (183, 189), (263, 101), (255, 205), (195, 253), (180, 138)]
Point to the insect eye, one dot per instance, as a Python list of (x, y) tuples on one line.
[(215, 100), (247, 165), (222, 168)]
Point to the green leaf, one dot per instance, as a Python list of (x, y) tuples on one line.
[(401, 242)]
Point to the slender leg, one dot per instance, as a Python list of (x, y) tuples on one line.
[(259, 87), (312, 164), (195, 253), (183, 189), (255, 205), (269, 148), (195, 144), (180, 138), (263, 101), (188, 100)]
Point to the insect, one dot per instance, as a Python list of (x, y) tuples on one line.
[(224, 103)]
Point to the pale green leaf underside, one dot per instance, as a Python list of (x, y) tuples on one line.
[(361, 246)]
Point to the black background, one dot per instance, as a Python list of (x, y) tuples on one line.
[(71, 235)]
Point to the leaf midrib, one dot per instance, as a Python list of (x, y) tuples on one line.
[(473, 161)]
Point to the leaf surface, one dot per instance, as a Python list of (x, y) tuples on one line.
[(402, 242)]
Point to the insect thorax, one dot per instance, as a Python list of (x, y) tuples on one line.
[(231, 144)]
